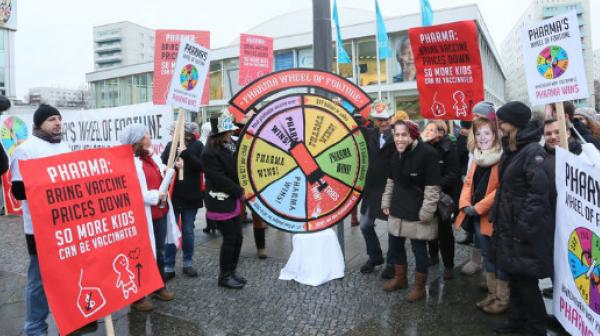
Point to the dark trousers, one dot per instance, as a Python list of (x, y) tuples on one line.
[(160, 236), (397, 253), (231, 230), (258, 226), (526, 304), (367, 227), (444, 244)]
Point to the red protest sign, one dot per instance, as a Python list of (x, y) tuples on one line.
[(449, 74), (91, 233), (165, 54), (256, 57)]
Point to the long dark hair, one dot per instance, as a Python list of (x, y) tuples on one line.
[(216, 141)]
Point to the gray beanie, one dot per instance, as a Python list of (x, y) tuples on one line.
[(587, 112), (133, 133), (484, 108)]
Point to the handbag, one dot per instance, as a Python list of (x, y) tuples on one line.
[(445, 206)]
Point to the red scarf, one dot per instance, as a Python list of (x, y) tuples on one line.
[(153, 180)]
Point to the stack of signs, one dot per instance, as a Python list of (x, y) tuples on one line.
[(553, 60), (256, 57), (189, 74), (449, 74)]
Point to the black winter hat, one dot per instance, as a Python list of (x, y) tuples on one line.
[(466, 124), (514, 112), (42, 113)]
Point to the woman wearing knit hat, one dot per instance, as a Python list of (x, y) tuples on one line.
[(410, 200), (522, 220), (224, 197), (587, 116), (162, 227)]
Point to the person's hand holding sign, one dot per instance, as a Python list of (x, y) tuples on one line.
[(386, 211)]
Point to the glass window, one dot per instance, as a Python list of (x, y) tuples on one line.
[(216, 81), (410, 105), (284, 60), (367, 65), (2, 39), (305, 58), (345, 68), (402, 63), (232, 74)]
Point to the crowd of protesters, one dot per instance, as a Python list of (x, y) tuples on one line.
[(490, 182)]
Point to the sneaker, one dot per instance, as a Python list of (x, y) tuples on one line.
[(163, 295), (190, 271), (369, 266), (228, 281), (261, 253), (143, 305), (239, 278), (169, 276)]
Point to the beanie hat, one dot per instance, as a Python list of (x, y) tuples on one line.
[(42, 113), (466, 124), (587, 112), (413, 129), (483, 108), (132, 134), (515, 112)]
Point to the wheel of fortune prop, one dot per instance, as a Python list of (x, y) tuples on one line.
[(302, 159), (584, 261)]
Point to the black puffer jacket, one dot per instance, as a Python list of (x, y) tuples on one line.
[(379, 168), (187, 193), (522, 240), (222, 185), (450, 167)]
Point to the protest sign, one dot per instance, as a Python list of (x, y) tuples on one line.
[(256, 57), (165, 54), (448, 65), (576, 302), (191, 68), (91, 233), (85, 129), (553, 60)]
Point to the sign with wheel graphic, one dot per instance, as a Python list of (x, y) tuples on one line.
[(584, 260), (302, 161)]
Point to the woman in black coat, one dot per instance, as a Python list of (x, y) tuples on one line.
[(523, 233), (223, 198)]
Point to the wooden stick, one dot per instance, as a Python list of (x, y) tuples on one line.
[(108, 324), (181, 144), (175, 141), (562, 125)]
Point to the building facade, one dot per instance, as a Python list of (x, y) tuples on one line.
[(8, 29), (512, 52), (122, 43), (59, 97), (293, 40)]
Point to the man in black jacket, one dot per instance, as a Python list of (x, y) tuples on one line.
[(380, 145), (187, 198)]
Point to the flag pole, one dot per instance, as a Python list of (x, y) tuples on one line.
[(377, 55)]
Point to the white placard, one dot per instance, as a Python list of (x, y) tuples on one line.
[(576, 301), (189, 74), (553, 60)]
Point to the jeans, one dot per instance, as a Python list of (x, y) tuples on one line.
[(232, 244), (419, 249), (484, 245), (367, 227), (35, 301), (444, 244), (160, 236), (526, 304), (188, 217)]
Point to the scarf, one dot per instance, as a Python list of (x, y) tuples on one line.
[(488, 157), (38, 132)]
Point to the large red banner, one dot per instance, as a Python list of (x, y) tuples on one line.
[(91, 233), (165, 54), (256, 57), (449, 74)]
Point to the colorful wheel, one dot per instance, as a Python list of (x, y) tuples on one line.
[(189, 77), (584, 261), (13, 132), (302, 161), (552, 62)]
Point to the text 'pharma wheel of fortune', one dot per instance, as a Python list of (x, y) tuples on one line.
[(584, 261)]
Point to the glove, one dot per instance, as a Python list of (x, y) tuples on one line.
[(184, 154), (470, 211)]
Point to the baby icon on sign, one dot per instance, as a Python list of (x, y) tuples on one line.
[(125, 278), (460, 107)]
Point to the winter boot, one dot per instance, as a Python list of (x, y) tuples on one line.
[(417, 291), (400, 281), (474, 265), (499, 305), (491, 285)]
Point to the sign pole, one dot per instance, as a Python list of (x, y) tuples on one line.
[(175, 141), (108, 324), (562, 125), (181, 141)]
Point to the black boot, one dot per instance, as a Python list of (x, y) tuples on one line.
[(388, 272), (238, 277), (228, 281)]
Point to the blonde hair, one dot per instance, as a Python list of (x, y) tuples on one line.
[(439, 124), (477, 124)]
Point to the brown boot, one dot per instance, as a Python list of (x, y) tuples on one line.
[(354, 217), (499, 305), (491, 285), (163, 295), (399, 281), (417, 291), (144, 305)]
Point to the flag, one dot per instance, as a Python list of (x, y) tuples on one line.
[(382, 37), (426, 13), (343, 57)]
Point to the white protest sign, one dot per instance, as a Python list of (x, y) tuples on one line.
[(187, 83), (553, 60), (576, 302)]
